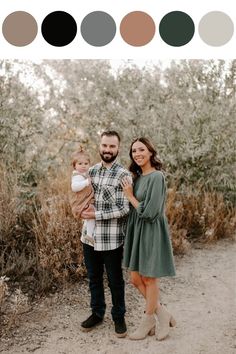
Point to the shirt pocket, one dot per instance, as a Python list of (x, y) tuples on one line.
[(108, 194)]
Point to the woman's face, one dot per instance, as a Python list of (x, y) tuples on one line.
[(140, 154)]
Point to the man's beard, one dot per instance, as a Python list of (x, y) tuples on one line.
[(108, 158)]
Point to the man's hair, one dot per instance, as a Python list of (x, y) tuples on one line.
[(111, 133)]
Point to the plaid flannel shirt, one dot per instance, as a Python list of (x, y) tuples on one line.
[(111, 206)]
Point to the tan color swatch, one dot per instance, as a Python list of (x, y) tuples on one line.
[(137, 28), (20, 28)]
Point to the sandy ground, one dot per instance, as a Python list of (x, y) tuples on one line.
[(201, 297)]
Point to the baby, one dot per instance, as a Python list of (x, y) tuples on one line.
[(83, 194)]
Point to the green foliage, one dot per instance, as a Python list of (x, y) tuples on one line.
[(187, 109)]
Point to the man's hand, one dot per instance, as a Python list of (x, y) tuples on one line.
[(88, 213)]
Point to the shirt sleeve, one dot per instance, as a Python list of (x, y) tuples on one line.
[(78, 183), (119, 208), (151, 207)]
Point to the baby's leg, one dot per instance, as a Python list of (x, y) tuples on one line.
[(90, 225)]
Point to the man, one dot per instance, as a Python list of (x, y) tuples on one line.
[(110, 213)]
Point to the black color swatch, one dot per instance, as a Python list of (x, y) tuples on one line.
[(59, 28)]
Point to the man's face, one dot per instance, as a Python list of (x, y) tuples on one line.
[(109, 148)]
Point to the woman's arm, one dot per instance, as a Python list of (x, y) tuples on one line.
[(151, 207)]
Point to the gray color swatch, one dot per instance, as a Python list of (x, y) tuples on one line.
[(98, 28), (216, 28)]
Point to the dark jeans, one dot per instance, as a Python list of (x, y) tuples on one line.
[(94, 262)]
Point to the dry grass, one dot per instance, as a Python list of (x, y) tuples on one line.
[(3, 290), (57, 232), (17, 256), (40, 239), (12, 305), (9, 193), (198, 216)]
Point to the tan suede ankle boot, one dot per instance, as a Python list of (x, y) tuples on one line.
[(146, 325), (165, 321)]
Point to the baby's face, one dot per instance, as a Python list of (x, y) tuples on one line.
[(82, 165)]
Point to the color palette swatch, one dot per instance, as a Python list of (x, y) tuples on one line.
[(216, 28), (128, 30), (20, 28), (98, 28), (59, 28), (176, 28), (137, 28)]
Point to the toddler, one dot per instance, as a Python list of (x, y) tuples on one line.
[(83, 194)]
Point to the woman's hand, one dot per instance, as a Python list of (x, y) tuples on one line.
[(127, 187)]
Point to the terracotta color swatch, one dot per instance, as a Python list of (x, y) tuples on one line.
[(20, 28), (137, 28)]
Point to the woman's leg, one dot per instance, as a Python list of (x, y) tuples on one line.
[(136, 280), (148, 287), (147, 324), (152, 294)]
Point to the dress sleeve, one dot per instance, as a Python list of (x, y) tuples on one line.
[(78, 183), (151, 207)]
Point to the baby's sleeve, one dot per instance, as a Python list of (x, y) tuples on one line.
[(78, 183)]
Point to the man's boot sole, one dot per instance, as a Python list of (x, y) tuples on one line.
[(121, 335)]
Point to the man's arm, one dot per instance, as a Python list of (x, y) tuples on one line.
[(118, 209)]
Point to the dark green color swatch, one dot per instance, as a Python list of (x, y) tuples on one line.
[(176, 28)]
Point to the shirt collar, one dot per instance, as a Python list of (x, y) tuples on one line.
[(114, 164)]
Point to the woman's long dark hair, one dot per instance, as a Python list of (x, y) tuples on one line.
[(154, 159)]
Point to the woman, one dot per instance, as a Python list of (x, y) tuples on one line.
[(147, 251)]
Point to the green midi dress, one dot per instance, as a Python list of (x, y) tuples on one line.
[(147, 247)]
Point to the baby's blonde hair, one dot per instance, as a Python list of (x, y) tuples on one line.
[(77, 154)]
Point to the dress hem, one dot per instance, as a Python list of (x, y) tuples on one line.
[(150, 276)]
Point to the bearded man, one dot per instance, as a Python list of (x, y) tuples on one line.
[(110, 213)]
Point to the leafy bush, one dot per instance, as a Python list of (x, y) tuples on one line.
[(187, 109)]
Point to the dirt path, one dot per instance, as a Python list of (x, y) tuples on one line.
[(202, 297)]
